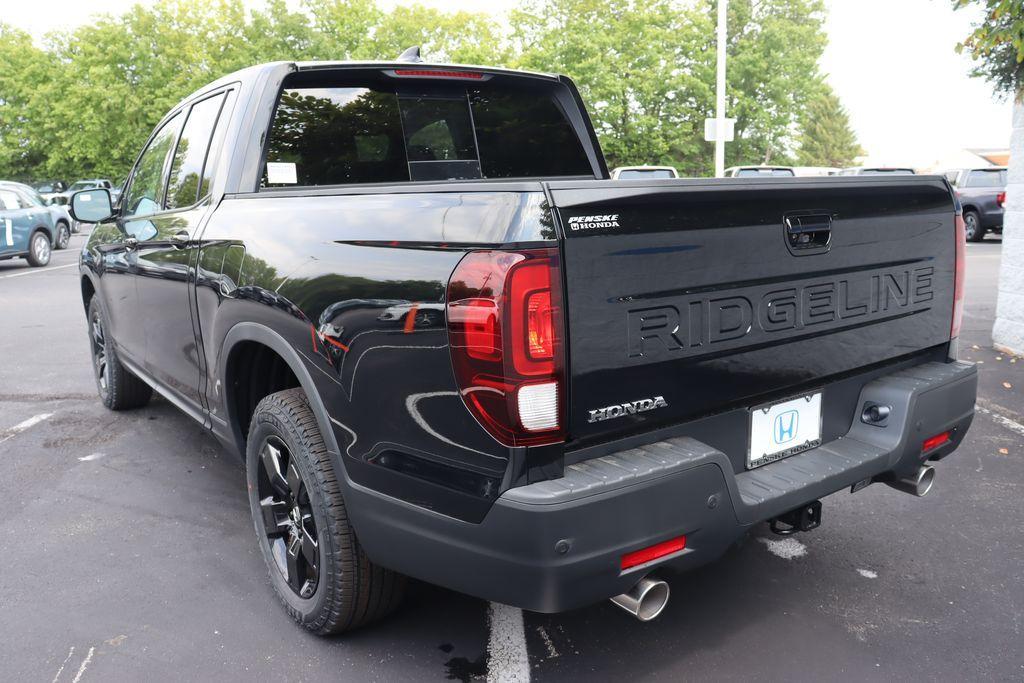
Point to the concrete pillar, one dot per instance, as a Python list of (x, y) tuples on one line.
[(1008, 331)]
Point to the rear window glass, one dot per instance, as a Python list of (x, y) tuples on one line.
[(374, 133), (640, 173), (987, 179), (764, 173), (887, 171)]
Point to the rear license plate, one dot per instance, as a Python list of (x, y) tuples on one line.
[(779, 430)]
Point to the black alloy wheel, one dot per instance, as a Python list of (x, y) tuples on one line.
[(288, 522), (118, 388), (98, 341)]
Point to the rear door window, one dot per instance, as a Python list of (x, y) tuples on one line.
[(383, 132), (190, 154), (9, 201)]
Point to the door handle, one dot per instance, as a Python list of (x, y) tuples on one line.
[(180, 239)]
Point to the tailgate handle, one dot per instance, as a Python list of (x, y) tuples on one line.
[(808, 233)]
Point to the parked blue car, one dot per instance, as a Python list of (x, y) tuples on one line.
[(29, 228)]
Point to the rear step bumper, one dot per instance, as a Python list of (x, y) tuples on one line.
[(556, 545)]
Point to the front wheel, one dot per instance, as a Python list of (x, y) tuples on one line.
[(63, 236), (972, 227), (316, 565), (38, 249), (118, 388)]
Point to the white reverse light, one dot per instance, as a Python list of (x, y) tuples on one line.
[(538, 406)]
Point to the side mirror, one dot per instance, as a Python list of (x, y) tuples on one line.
[(91, 206)]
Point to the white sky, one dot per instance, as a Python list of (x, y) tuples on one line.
[(891, 62)]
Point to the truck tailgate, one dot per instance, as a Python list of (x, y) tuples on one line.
[(713, 295)]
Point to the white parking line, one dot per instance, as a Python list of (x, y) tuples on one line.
[(85, 663), (507, 659), (66, 659), (22, 426), (36, 271), (994, 412)]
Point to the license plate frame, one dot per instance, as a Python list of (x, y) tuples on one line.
[(768, 422)]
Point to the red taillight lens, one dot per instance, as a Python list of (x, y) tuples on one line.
[(505, 332), (958, 281), (645, 555), (1001, 199), (935, 441)]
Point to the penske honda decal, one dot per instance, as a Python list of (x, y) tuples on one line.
[(596, 222)]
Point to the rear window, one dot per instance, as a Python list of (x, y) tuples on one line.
[(887, 171), (764, 173), (376, 132), (994, 178), (649, 173)]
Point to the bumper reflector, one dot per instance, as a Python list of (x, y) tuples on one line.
[(645, 555), (935, 441)]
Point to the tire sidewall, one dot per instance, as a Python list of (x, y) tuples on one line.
[(977, 226), (270, 423), (63, 236), (32, 258), (96, 310)]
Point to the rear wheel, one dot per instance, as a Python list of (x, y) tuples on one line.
[(972, 226), (38, 249), (118, 388), (316, 565), (63, 236)]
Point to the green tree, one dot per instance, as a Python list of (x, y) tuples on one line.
[(826, 138), (642, 67), (774, 47), (23, 70), (646, 68), (997, 43)]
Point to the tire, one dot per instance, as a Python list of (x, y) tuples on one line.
[(972, 226), (63, 236), (329, 586), (118, 388), (39, 249), (76, 227)]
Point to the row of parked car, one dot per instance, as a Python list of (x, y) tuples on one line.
[(982, 191), (32, 226), (34, 219), (58, 192)]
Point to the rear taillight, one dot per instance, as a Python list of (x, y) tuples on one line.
[(1001, 199), (958, 280), (506, 336)]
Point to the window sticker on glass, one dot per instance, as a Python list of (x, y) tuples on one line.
[(281, 173)]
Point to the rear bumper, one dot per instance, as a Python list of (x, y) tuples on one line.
[(556, 545)]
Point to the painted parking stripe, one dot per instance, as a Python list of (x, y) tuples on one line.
[(507, 659), (997, 413), (22, 426), (36, 271)]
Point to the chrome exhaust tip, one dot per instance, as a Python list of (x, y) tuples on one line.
[(645, 600), (918, 485)]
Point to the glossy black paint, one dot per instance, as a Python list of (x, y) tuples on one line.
[(347, 285), (696, 296)]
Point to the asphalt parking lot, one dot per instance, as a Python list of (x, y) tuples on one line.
[(126, 552)]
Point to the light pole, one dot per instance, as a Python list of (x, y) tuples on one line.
[(720, 93)]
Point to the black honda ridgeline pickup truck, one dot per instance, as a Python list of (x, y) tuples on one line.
[(450, 348)]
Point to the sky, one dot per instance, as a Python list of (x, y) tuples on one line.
[(892, 63)]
